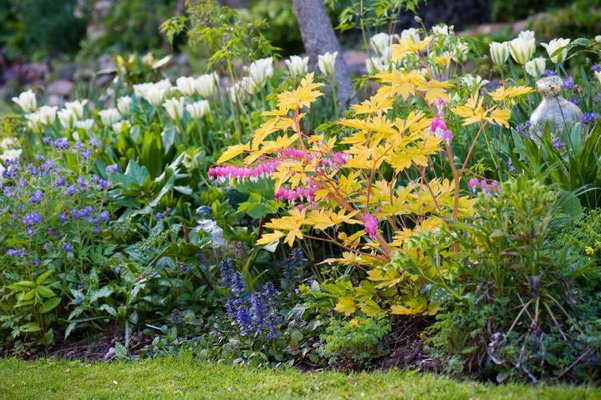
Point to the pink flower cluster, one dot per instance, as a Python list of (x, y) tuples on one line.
[(299, 194), (294, 154), (485, 186), (222, 173), (371, 225), (439, 126)]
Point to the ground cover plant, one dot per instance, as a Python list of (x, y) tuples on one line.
[(436, 219)]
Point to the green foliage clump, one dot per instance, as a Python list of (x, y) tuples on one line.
[(354, 343), (578, 18), (518, 307)]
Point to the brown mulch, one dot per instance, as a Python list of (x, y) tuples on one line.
[(406, 345), (100, 347)]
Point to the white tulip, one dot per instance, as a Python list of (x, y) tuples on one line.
[(598, 76), (118, 126), (26, 101), (526, 35), (522, 49), (411, 34), (499, 52), (206, 85), (241, 89), (380, 43), (174, 107), (124, 105), (260, 71), (109, 116), (154, 93), (76, 107), (186, 85), (536, 66), (297, 65), (375, 65), (198, 109), (11, 154), (557, 45), (326, 63), (67, 118), (86, 124), (441, 30), (46, 115), (598, 38)]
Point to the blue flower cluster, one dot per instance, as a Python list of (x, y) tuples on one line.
[(43, 197), (292, 265), (253, 314)]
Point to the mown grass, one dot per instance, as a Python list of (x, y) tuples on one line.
[(182, 377)]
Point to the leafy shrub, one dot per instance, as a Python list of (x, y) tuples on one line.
[(354, 343), (513, 291)]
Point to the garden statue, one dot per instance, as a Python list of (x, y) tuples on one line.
[(554, 109)]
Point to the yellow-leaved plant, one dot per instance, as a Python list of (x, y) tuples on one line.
[(369, 188)]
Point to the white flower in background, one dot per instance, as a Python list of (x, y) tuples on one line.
[(442, 30), (375, 65), (536, 66), (557, 45), (8, 142), (598, 38), (260, 71), (26, 101), (186, 85), (76, 107), (499, 52), (411, 34), (598, 75), (241, 89), (11, 154), (67, 118), (174, 107), (297, 65), (109, 116), (206, 85), (473, 83), (198, 109), (124, 105), (522, 49), (380, 43), (2, 169), (526, 35), (326, 63), (86, 124), (47, 115), (460, 51), (154, 93), (118, 126)]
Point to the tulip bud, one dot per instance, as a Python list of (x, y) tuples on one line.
[(499, 52), (326, 63), (26, 101), (559, 46)]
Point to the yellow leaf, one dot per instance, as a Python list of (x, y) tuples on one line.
[(398, 309), (408, 46), (232, 152), (346, 305), (268, 238)]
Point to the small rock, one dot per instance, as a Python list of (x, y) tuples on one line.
[(61, 87)]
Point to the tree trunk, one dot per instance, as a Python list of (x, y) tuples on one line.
[(319, 37)]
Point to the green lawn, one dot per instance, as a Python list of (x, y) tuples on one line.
[(184, 378)]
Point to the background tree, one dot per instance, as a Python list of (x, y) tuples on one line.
[(319, 37)]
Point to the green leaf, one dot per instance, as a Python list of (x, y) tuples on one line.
[(42, 278), (50, 305), (45, 291), (31, 327), (105, 291)]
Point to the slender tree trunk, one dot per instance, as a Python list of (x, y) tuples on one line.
[(319, 37)]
